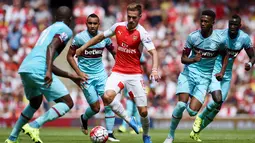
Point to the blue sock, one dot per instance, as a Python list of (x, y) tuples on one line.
[(209, 118), (88, 113), (176, 117), (191, 112), (25, 116), (109, 119), (208, 109), (53, 113)]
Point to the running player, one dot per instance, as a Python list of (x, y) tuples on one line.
[(199, 55), (127, 72), (130, 104), (90, 65), (38, 79), (236, 41)]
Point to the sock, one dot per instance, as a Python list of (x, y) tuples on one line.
[(209, 118), (119, 110), (145, 124), (129, 109), (88, 114), (25, 116), (208, 109), (176, 117), (191, 112), (109, 119), (53, 113), (137, 115)]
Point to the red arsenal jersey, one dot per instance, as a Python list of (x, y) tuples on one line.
[(130, 47)]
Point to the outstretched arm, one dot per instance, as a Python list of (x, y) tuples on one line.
[(98, 38)]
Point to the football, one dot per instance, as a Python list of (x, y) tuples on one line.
[(98, 135)]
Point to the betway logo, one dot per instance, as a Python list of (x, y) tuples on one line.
[(126, 50), (93, 52), (208, 54)]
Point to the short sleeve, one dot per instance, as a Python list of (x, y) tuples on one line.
[(75, 43), (247, 43), (146, 41), (110, 32), (64, 34), (189, 43)]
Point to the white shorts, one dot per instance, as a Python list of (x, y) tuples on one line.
[(132, 82)]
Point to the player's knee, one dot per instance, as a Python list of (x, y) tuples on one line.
[(217, 97), (108, 97), (96, 109), (143, 112), (191, 111), (181, 105), (70, 104)]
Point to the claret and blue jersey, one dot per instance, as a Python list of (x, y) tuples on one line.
[(209, 48), (91, 60), (234, 47)]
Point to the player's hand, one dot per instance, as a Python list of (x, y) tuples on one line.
[(248, 66), (80, 81), (48, 79), (78, 52), (85, 76), (198, 57), (154, 75), (219, 76)]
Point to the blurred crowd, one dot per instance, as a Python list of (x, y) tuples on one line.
[(168, 22)]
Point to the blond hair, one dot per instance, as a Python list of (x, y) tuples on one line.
[(135, 7)]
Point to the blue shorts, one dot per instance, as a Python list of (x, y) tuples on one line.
[(34, 86), (94, 87), (194, 85), (223, 85)]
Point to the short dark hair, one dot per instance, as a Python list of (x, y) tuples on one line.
[(235, 16), (135, 7), (209, 13), (93, 15)]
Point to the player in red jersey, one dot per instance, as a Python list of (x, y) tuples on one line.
[(131, 38)]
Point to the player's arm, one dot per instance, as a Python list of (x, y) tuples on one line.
[(154, 72), (75, 78), (110, 48), (98, 38), (71, 61), (187, 50), (225, 57), (251, 55), (51, 49), (185, 56)]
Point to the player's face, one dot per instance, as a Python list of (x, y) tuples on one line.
[(233, 26), (92, 25), (133, 18), (206, 23)]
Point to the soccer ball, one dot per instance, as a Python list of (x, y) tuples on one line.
[(98, 135)]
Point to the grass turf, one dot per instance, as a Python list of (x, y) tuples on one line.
[(74, 135)]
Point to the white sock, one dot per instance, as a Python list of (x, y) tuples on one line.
[(118, 109), (145, 124)]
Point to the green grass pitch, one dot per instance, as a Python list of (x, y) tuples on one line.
[(74, 135)]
